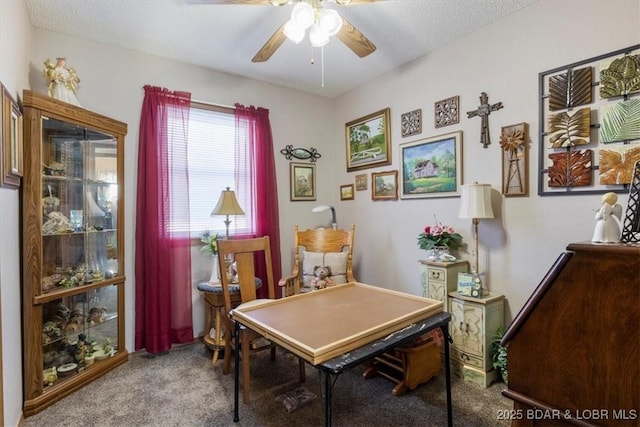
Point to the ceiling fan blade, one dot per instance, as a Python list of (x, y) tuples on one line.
[(274, 42), (348, 2), (355, 40), (229, 1)]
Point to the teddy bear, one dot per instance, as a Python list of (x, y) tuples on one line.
[(322, 278)]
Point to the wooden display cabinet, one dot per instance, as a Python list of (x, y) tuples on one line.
[(73, 257)]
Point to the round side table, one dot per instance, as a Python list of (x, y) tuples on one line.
[(212, 294)]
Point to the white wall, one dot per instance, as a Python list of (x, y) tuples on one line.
[(503, 60)]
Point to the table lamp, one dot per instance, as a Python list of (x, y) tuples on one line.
[(324, 208), (227, 205), (475, 203)]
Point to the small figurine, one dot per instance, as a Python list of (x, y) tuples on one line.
[(64, 81), (608, 218)]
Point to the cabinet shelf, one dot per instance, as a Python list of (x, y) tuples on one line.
[(58, 293), (73, 223)]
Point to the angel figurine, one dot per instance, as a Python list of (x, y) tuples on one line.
[(608, 219), (63, 81)]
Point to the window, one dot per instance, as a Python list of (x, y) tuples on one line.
[(211, 158)]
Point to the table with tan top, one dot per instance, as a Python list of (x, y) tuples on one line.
[(358, 321)]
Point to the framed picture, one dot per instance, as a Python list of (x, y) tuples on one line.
[(384, 185), (368, 141), (432, 167), (346, 192), (11, 155), (361, 182), (303, 181), (514, 140)]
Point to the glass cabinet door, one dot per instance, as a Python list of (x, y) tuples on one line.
[(79, 203), (78, 332)]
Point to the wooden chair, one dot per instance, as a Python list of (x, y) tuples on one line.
[(312, 243), (243, 253)]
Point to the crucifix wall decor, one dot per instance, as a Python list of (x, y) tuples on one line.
[(483, 111)]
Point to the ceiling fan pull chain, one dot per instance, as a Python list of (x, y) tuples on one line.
[(322, 63)]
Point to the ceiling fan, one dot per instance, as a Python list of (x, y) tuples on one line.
[(322, 23)]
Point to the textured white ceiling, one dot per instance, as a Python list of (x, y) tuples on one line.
[(226, 37)]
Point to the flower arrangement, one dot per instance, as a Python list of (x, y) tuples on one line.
[(439, 235), (210, 243)]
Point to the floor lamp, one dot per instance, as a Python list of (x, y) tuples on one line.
[(227, 205), (475, 203), (324, 208)]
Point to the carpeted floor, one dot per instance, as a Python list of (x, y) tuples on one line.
[(182, 388)]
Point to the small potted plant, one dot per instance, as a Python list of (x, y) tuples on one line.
[(211, 248), (439, 239), (499, 355)]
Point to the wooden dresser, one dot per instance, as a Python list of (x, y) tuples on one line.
[(574, 348)]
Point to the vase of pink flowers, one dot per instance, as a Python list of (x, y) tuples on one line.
[(439, 239)]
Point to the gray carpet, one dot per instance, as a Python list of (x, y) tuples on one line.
[(182, 388)]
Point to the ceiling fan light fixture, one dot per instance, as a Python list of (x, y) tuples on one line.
[(317, 36), (330, 21), (303, 15), (293, 31)]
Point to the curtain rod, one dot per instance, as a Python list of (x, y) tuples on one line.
[(232, 107)]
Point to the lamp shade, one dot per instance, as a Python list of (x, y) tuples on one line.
[(227, 204), (475, 201)]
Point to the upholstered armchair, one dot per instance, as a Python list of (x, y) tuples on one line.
[(321, 247)]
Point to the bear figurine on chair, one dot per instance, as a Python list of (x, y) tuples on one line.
[(321, 280)]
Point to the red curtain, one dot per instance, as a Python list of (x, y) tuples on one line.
[(162, 246), (254, 129)]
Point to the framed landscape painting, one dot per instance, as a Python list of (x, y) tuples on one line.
[(432, 167), (384, 185), (368, 141)]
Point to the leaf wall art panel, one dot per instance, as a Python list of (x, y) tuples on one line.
[(570, 168), (570, 128), (571, 89), (620, 121), (620, 76), (588, 125), (616, 163)]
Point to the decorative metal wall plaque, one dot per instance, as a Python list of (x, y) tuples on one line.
[(300, 153), (446, 112), (589, 124), (411, 123)]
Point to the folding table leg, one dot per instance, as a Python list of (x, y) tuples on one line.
[(236, 373), (327, 399), (447, 370)]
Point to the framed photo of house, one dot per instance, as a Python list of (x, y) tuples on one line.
[(384, 185), (346, 192), (432, 167), (368, 142), (11, 156), (302, 181)]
